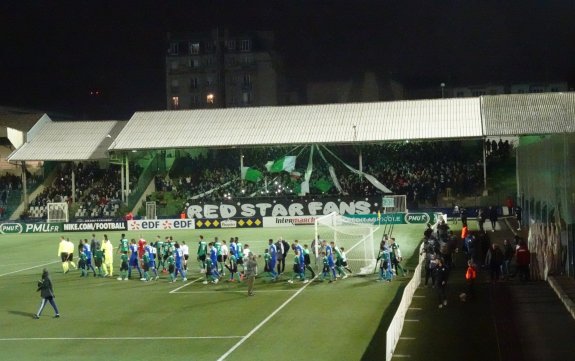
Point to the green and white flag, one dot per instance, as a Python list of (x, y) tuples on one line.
[(251, 174), (286, 163)]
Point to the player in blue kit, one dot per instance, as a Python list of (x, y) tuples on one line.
[(213, 255), (329, 256), (297, 247), (179, 267), (151, 251), (273, 256), (88, 253), (134, 262)]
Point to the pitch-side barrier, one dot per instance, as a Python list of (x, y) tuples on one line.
[(396, 325)]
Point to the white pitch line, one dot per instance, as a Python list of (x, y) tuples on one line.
[(244, 291), (26, 269), (187, 284), (117, 338), (260, 325), (400, 356), (407, 338)]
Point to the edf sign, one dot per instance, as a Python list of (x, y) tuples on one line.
[(159, 224)]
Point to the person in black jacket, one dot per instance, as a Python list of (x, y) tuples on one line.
[(47, 293), (441, 275)]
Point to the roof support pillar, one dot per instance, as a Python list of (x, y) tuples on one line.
[(484, 168), (73, 182), (122, 179), (25, 183), (127, 173)]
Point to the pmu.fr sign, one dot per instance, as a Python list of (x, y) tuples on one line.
[(160, 224), (417, 218)]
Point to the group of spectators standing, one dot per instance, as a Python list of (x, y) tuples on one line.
[(422, 171), (97, 189), (438, 247)]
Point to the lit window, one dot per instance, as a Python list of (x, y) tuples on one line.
[(245, 45), (231, 45), (175, 102), (210, 98), (194, 48)]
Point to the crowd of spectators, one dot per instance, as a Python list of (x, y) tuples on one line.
[(98, 190), (497, 149), (422, 171)]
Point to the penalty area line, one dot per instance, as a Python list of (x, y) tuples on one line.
[(187, 284), (117, 338), (244, 291), (261, 324), (29, 268)]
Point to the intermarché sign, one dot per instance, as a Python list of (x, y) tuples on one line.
[(12, 228)]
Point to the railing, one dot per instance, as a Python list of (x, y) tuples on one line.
[(396, 325), (143, 182)]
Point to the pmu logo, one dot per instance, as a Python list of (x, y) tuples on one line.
[(416, 218), (11, 228)]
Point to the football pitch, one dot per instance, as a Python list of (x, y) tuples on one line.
[(107, 319)]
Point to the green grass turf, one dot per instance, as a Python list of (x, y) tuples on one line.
[(324, 322)]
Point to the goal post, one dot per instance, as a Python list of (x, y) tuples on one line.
[(356, 239), (151, 210), (394, 204), (57, 212)]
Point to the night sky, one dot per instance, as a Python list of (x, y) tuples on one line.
[(54, 55)]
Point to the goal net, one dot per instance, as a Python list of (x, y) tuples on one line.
[(356, 239), (394, 204), (57, 212), (151, 210)]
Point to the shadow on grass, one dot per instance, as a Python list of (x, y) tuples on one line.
[(21, 313), (376, 348)]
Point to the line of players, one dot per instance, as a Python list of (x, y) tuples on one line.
[(213, 258), (389, 258)]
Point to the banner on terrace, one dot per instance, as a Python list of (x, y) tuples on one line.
[(283, 207)]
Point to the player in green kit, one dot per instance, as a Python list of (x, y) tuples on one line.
[(307, 261), (220, 258), (159, 244), (146, 262), (82, 264), (240, 253), (98, 259), (339, 261), (326, 268), (171, 267), (297, 268), (124, 245), (201, 254), (123, 267), (233, 268)]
